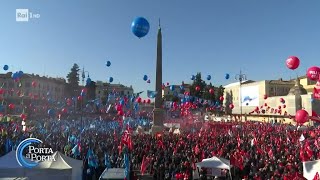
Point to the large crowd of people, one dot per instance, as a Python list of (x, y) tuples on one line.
[(256, 150)]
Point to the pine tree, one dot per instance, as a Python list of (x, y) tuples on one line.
[(73, 81)]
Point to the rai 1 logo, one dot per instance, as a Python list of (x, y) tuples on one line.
[(34, 155)]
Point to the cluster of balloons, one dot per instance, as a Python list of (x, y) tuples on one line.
[(146, 78), (227, 76), (17, 76), (140, 27), (265, 108)]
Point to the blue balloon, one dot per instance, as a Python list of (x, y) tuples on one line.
[(5, 67), (208, 77), (227, 76), (108, 63), (110, 79), (20, 74), (51, 112), (145, 77), (171, 88), (140, 27), (192, 77)]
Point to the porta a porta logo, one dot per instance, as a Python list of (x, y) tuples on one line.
[(24, 15), (34, 155)]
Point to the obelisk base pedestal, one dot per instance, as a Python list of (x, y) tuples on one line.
[(158, 117)]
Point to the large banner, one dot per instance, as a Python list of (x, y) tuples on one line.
[(249, 96)]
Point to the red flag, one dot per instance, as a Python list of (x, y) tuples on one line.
[(316, 177), (145, 164), (316, 93)]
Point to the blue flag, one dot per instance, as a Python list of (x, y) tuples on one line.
[(151, 94), (8, 145), (92, 161), (107, 161), (76, 150), (126, 166)]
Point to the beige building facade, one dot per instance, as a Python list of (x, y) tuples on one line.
[(103, 89), (297, 94), (177, 89), (32, 86)]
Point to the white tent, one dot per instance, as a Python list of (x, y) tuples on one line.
[(77, 166), (113, 174), (63, 168), (215, 162), (9, 166), (310, 169)]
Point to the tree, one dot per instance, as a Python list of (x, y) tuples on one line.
[(73, 80), (197, 82), (170, 97)]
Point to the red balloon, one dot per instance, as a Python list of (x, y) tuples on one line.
[(284, 106), (313, 73), (23, 116), (1, 91), (198, 88), (11, 106), (34, 84), (231, 106), (302, 116), (148, 101), (79, 98), (139, 100), (293, 62), (281, 100), (265, 104), (64, 110), (144, 101), (168, 84), (279, 107), (211, 90), (265, 96), (221, 98)]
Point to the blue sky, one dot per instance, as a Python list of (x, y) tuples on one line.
[(209, 36)]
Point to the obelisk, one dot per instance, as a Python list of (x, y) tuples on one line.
[(158, 112)]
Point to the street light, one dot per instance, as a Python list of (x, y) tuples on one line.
[(240, 77), (84, 76), (82, 98)]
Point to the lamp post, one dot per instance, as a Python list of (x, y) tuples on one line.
[(82, 98), (240, 77)]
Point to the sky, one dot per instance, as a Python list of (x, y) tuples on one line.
[(213, 37)]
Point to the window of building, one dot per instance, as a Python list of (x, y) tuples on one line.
[(27, 84)]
